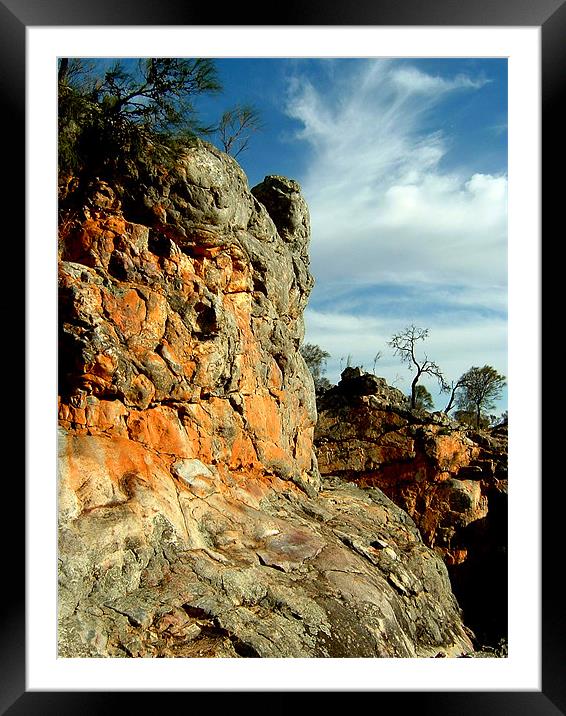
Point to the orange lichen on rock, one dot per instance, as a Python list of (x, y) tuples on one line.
[(191, 521), (367, 434), (160, 429), (167, 320)]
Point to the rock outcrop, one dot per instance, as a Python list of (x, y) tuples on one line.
[(183, 335), (452, 481), (192, 518), (187, 563)]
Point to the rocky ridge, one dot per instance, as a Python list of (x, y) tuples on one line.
[(192, 516), (451, 481)]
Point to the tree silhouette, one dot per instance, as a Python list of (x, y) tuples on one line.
[(404, 345), (481, 387)]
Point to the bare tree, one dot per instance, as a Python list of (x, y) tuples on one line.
[(404, 345), (452, 388), (236, 126)]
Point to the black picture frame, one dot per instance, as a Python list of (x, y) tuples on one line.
[(15, 17)]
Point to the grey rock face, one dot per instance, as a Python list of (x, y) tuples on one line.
[(155, 567), (192, 519)]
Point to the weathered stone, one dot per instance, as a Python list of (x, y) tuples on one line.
[(191, 326), (451, 481), (259, 579), (289, 549), (192, 520)]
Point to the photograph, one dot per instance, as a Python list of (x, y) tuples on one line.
[(282, 357), (282, 296)]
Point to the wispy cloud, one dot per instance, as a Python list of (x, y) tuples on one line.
[(385, 213), (415, 81), (381, 207)]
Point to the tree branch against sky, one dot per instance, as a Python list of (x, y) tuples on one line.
[(236, 127), (452, 389), (110, 117), (403, 163), (404, 345)]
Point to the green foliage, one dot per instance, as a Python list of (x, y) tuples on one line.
[(480, 388), (322, 384), (160, 94), (76, 112), (423, 398), (468, 418), (110, 122), (315, 358)]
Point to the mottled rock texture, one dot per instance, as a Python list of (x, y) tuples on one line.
[(178, 560), (192, 520), (452, 481), (183, 334)]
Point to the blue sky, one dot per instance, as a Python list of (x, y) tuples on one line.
[(473, 123), (403, 163)]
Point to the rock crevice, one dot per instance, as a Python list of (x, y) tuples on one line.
[(452, 481), (192, 517)]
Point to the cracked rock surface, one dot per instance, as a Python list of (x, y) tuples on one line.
[(452, 481), (445, 476), (154, 565)]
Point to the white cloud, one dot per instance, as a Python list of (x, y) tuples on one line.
[(415, 81), (382, 209), (455, 346), (385, 213)]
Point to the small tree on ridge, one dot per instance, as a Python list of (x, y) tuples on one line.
[(315, 358), (481, 387), (236, 126), (404, 345)]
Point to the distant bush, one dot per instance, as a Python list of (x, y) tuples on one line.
[(315, 358), (423, 398)]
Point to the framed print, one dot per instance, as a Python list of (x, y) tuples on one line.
[(38, 675)]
